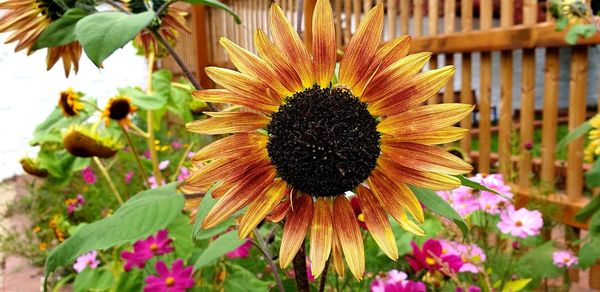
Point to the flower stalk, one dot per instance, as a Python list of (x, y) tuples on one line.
[(135, 154), (150, 122), (111, 184), (260, 243), (299, 263)]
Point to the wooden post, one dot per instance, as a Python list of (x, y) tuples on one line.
[(486, 93), (449, 15), (200, 37), (466, 21), (506, 87), (432, 11), (550, 116), (404, 16), (309, 8)]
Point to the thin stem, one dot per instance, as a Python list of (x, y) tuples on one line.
[(135, 154), (138, 131), (117, 6), (181, 161), (262, 246), (324, 276), (108, 179), (150, 120), (300, 270)]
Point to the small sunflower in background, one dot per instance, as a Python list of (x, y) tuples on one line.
[(592, 150), (33, 167), (306, 140), (170, 22), (85, 141), (26, 19), (69, 102), (119, 108)]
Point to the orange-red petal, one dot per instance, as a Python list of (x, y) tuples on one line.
[(228, 123), (280, 211), (441, 136), (425, 158), (321, 236), (424, 179), (282, 66), (243, 85), (295, 228), (425, 118), (377, 222), (261, 206), (337, 256), (257, 103), (236, 145), (395, 196), (348, 232), (324, 46)]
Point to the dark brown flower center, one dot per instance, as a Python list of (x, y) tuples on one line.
[(119, 109), (323, 142)]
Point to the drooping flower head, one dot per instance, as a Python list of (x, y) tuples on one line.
[(84, 141), (177, 279), (69, 103), (564, 259), (118, 109), (145, 249), (309, 140), (26, 19), (87, 260), (396, 281), (432, 258), (520, 223), (32, 166)]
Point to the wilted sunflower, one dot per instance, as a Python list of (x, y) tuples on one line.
[(119, 108), (307, 141), (83, 141), (69, 103), (169, 23), (33, 167), (27, 19)]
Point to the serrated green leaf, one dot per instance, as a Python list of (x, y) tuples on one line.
[(139, 217), (93, 280), (143, 100), (515, 285), (475, 185), (101, 34), (436, 204), (588, 210), (217, 4), (222, 245), (592, 176), (576, 133), (61, 31)]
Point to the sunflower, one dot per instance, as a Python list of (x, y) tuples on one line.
[(69, 103), (592, 150), (170, 22), (27, 19), (118, 108), (84, 141), (306, 140), (33, 167)]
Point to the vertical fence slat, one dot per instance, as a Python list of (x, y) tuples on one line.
[(348, 22), (449, 15), (404, 16), (356, 12), (486, 93), (550, 115), (432, 9), (391, 19), (466, 96), (577, 103), (506, 86), (338, 23), (367, 4), (309, 8), (418, 17)]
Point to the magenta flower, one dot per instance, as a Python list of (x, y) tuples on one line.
[(183, 174), (176, 144), (489, 202), (88, 175), (461, 199), (564, 259), (143, 250), (242, 251), (520, 223), (179, 278), (129, 176), (74, 204), (471, 288), (396, 281), (153, 182), (471, 255), (147, 154), (86, 260), (431, 258)]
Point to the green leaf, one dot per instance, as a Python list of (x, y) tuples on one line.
[(139, 217), (161, 83), (241, 279), (515, 285), (436, 204), (592, 176), (101, 34), (93, 279), (180, 230), (61, 31), (588, 210), (143, 100), (594, 227), (561, 23), (475, 185), (576, 133), (538, 262), (217, 4), (130, 281), (222, 245), (589, 253), (579, 30)]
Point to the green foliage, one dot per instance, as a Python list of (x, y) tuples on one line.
[(103, 33), (576, 133), (241, 279), (592, 176), (61, 31), (561, 23), (93, 280), (515, 285), (139, 217), (586, 212), (217, 4), (142, 100), (579, 30), (475, 185), (130, 281), (222, 245), (589, 253), (538, 262), (437, 205)]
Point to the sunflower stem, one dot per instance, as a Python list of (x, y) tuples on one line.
[(150, 120), (135, 154), (111, 184), (181, 161), (262, 246), (300, 270), (324, 276)]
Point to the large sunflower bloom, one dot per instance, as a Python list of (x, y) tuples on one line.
[(306, 141), (27, 19)]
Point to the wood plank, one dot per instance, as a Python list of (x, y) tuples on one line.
[(550, 116), (432, 26), (367, 4), (348, 22), (486, 93), (404, 16), (506, 86), (418, 18), (391, 19), (338, 23), (577, 104), (356, 13), (449, 26), (309, 8), (466, 23), (498, 39)]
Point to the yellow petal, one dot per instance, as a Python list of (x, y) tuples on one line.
[(425, 119), (424, 179), (261, 206), (348, 232), (257, 103), (321, 236), (337, 256), (441, 136), (295, 228), (324, 46), (377, 222), (281, 65), (425, 158), (291, 46), (280, 211), (395, 196), (361, 50), (228, 123), (242, 84)]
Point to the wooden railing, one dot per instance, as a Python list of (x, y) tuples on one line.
[(460, 31)]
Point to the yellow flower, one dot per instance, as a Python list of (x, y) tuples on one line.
[(69, 103), (26, 19), (306, 141), (82, 141), (119, 108)]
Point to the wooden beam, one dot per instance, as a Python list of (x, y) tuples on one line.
[(200, 38), (498, 39)]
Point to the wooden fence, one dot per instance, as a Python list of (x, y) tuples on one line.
[(460, 30)]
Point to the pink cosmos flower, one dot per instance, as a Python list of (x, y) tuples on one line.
[(431, 258), (143, 250), (520, 223), (191, 154), (88, 175), (153, 182), (129, 176), (471, 255), (147, 154), (461, 199), (564, 259), (471, 288), (176, 144), (164, 164), (396, 281), (243, 251), (86, 260), (183, 174), (178, 278), (73, 204)]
